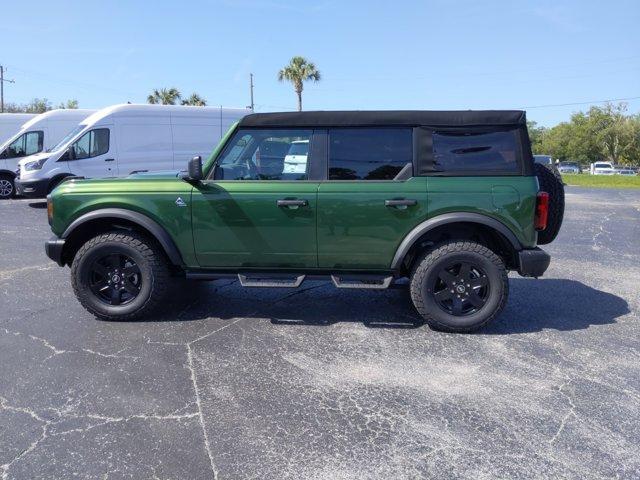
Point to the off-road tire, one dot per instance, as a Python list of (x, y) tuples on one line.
[(550, 181), (4, 177), (431, 263), (151, 261)]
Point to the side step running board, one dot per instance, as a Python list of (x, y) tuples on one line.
[(271, 281), (360, 281)]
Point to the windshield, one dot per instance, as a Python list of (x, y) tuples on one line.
[(66, 138), (602, 165)]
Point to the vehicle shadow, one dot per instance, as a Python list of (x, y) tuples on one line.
[(556, 304), (38, 205), (534, 305)]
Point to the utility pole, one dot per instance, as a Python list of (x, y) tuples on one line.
[(251, 90), (2, 80)]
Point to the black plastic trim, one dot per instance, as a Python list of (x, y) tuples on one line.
[(447, 218), (533, 262), (53, 248), (156, 230)]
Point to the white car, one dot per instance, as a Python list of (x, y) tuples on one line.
[(569, 167), (625, 171), (295, 161), (602, 168)]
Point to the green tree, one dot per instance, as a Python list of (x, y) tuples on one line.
[(601, 133), (535, 135), (70, 104), (164, 96), (195, 100), (297, 72), (37, 105)]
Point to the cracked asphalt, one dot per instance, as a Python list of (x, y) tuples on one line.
[(320, 383)]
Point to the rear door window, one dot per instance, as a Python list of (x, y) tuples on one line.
[(492, 152), (369, 153)]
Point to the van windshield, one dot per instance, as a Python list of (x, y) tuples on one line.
[(66, 138)]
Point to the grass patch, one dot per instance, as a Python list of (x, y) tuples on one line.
[(601, 181)]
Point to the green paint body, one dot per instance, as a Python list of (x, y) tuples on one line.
[(344, 226)]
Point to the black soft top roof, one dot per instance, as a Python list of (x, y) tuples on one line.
[(361, 118)]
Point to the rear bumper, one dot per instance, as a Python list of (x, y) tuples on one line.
[(533, 262), (53, 248), (32, 189)]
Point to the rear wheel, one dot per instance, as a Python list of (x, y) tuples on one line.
[(550, 181), (459, 286), (119, 276), (7, 187)]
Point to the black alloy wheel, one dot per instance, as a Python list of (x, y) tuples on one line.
[(115, 279), (461, 288)]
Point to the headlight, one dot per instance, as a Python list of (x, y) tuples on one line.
[(36, 165)]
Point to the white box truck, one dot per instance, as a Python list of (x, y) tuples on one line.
[(10, 123), (36, 135), (121, 139)]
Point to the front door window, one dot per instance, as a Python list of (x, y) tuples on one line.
[(273, 154)]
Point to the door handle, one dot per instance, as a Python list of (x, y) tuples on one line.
[(292, 203), (400, 203), (109, 159)]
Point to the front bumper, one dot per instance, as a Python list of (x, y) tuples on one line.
[(33, 188), (533, 262), (53, 248)]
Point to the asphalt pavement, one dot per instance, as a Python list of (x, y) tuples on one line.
[(321, 383)]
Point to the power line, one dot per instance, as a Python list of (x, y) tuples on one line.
[(581, 103)]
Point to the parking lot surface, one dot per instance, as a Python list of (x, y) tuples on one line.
[(320, 383)]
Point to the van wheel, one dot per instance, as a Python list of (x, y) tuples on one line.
[(7, 187), (459, 286), (550, 181), (120, 276)]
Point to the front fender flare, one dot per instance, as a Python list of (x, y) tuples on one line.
[(459, 217), (158, 232)]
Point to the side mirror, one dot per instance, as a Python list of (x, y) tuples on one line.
[(71, 152), (195, 169)]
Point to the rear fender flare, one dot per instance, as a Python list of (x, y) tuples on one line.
[(450, 218)]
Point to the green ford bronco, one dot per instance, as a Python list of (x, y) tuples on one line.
[(451, 200)]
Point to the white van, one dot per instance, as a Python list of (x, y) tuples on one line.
[(122, 139), (10, 123), (36, 135)]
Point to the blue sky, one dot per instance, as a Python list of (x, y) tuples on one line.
[(434, 54)]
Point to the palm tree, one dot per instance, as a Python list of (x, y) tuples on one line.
[(164, 96), (297, 72), (195, 100)]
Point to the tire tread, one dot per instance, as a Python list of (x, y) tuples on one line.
[(422, 265), (159, 267)]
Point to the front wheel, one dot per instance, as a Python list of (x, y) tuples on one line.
[(120, 276), (459, 286)]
